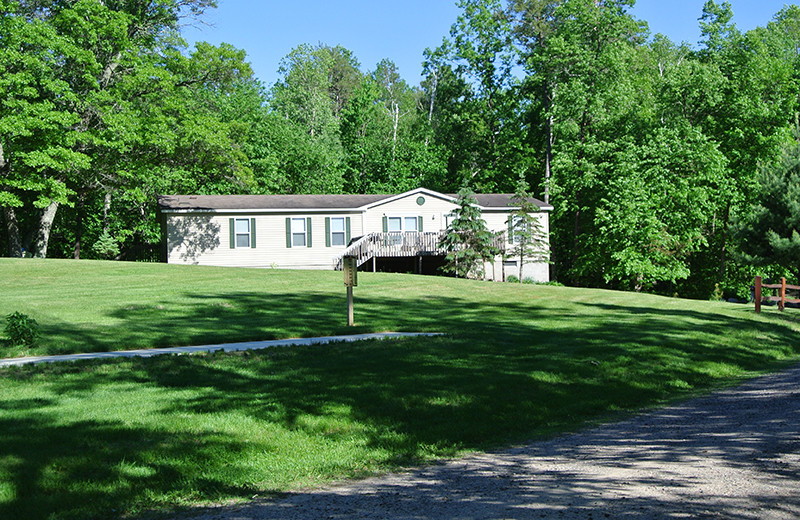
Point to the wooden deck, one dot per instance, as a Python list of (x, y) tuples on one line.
[(377, 245)]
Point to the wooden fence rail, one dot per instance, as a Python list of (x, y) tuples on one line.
[(780, 288)]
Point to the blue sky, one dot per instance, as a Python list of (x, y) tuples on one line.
[(401, 30)]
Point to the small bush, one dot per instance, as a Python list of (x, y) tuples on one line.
[(512, 278), (717, 295), (106, 246), (21, 329)]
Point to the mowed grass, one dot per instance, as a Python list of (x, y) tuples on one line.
[(128, 438)]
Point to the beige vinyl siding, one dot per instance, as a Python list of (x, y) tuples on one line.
[(538, 271), (498, 220), (205, 239), (431, 212)]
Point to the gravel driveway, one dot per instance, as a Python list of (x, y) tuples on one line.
[(734, 454)]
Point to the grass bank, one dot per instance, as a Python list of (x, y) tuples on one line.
[(124, 437)]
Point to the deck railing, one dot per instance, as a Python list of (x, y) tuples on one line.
[(396, 244)]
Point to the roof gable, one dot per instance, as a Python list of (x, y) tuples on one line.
[(411, 193)]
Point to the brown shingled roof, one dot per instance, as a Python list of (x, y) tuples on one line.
[(222, 202), (290, 202)]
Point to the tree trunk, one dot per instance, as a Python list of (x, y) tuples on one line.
[(43, 233), (106, 210), (548, 155), (396, 122), (76, 254), (430, 109), (12, 227)]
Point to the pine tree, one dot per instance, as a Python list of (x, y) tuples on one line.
[(467, 242), (770, 233), (525, 232)]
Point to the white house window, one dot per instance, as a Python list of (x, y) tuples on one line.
[(402, 224), (299, 232), (243, 232), (395, 224), (337, 231), (516, 225)]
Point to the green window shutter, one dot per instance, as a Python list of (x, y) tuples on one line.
[(385, 224), (510, 229), (327, 232), (253, 233), (288, 232), (232, 225), (419, 222), (347, 231), (308, 231)]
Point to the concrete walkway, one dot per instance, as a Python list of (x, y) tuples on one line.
[(227, 347)]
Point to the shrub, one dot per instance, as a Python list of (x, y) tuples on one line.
[(106, 246), (21, 329), (512, 278)]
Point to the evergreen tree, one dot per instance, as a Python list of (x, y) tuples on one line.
[(525, 232), (770, 233), (468, 243)]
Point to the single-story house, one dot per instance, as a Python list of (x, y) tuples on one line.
[(385, 232)]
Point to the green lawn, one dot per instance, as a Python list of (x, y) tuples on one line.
[(126, 437)]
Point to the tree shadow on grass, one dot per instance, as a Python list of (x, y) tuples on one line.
[(504, 374), (685, 461), (54, 468)]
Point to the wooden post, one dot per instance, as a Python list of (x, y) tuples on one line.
[(350, 322), (350, 268), (758, 294), (782, 303)]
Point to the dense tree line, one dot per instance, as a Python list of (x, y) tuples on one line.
[(654, 154)]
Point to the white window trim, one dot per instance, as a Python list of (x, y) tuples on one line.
[(447, 217), (403, 217), (514, 223), (343, 232), (237, 234), (304, 232)]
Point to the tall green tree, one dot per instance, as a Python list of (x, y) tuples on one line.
[(534, 23), (315, 87), (475, 98), (120, 104), (769, 234), (591, 59)]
